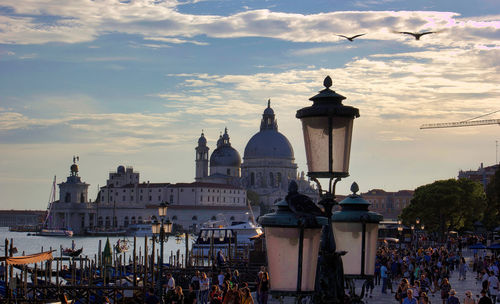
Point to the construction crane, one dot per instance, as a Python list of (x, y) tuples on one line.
[(464, 123)]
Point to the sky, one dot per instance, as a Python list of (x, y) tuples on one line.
[(135, 82)]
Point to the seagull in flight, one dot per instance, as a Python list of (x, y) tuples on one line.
[(416, 35), (351, 38)]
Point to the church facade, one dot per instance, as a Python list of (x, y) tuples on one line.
[(219, 192)]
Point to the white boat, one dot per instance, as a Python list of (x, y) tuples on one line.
[(106, 232), (140, 230), (56, 232), (233, 238), (48, 229)]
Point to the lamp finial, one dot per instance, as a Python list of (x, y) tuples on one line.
[(327, 82), (354, 188)]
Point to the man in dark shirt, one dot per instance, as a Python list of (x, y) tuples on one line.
[(151, 298), (191, 297), (484, 298)]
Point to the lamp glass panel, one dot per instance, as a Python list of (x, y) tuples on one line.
[(348, 237), (371, 247), (316, 139), (162, 211), (283, 254), (167, 227), (155, 227)]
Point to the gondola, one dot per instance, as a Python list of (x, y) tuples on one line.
[(72, 252)]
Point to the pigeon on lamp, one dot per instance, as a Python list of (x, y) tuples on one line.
[(300, 204), (351, 38)]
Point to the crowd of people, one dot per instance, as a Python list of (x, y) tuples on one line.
[(422, 273), (224, 287)]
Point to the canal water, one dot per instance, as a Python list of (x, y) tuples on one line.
[(30, 244)]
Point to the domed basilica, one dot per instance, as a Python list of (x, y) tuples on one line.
[(268, 163)]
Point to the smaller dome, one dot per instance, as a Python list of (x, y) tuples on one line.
[(269, 110), (120, 169), (225, 156), (202, 141), (74, 168)]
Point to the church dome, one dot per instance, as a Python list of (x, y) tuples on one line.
[(225, 155), (268, 142)]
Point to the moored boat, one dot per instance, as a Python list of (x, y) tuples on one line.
[(228, 239), (56, 232)]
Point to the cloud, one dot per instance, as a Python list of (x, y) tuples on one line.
[(175, 40), (81, 21)]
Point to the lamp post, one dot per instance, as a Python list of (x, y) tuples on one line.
[(400, 231), (162, 230), (327, 129)]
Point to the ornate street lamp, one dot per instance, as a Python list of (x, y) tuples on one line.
[(292, 232), (292, 241), (162, 230), (327, 127)]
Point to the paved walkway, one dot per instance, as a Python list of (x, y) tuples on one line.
[(460, 286)]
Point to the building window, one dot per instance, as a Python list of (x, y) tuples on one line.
[(150, 198), (108, 222), (99, 221), (125, 222), (139, 220), (182, 190), (194, 218), (82, 198), (140, 197), (132, 220), (123, 198), (228, 171), (131, 198), (271, 179), (67, 197), (171, 198), (159, 197)]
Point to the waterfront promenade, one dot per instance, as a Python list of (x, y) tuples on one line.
[(460, 286)]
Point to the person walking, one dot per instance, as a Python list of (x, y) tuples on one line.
[(484, 298), (384, 276), (468, 298), (204, 288), (409, 297), (445, 290), (452, 299), (493, 286)]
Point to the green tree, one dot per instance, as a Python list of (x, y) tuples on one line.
[(446, 204), (493, 199)]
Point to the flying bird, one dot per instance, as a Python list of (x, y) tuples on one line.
[(416, 35), (351, 38)]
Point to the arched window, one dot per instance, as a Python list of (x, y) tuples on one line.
[(107, 222), (132, 220), (125, 222), (99, 221), (115, 222), (194, 218), (252, 179), (67, 198), (82, 198), (139, 220), (271, 179), (278, 178)]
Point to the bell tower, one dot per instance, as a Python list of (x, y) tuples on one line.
[(201, 158)]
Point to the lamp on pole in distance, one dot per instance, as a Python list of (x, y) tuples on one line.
[(161, 230)]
